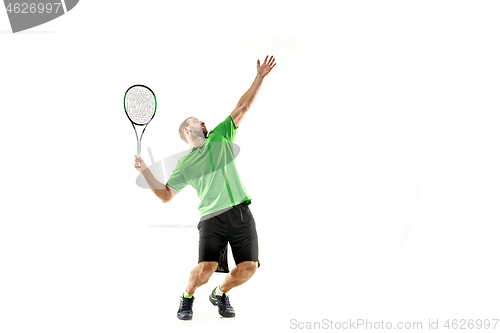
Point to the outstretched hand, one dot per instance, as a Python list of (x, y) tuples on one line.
[(266, 67)]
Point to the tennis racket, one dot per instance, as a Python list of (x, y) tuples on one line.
[(140, 106)]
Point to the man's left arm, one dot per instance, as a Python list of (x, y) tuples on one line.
[(249, 97)]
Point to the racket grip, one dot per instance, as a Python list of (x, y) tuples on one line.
[(138, 148)]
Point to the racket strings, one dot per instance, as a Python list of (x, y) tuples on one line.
[(140, 105)]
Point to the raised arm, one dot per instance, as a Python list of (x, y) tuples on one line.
[(249, 97)]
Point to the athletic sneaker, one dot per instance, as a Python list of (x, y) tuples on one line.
[(225, 309), (185, 308)]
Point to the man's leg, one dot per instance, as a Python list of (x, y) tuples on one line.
[(239, 275), (200, 275)]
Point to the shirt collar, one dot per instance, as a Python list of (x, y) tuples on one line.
[(196, 148)]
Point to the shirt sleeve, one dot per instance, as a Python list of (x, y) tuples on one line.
[(227, 129), (176, 180)]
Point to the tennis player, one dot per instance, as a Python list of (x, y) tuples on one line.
[(210, 168)]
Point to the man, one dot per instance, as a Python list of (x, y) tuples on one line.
[(225, 217)]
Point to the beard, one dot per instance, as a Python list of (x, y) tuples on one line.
[(201, 133)]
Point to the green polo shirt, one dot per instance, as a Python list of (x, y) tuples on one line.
[(211, 170)]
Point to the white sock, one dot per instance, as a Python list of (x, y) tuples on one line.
[(185, 294), (218, 292)]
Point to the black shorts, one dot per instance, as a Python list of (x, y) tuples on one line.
[(236, 226)]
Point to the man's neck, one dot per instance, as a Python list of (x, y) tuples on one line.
[(198, 142)]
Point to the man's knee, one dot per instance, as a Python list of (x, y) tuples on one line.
[(206, 269), (248, 268)]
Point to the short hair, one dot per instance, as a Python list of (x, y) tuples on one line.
[(185, 123)]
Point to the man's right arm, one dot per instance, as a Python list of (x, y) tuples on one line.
[(161, 190)]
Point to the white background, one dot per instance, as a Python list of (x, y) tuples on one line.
[(371, 155)]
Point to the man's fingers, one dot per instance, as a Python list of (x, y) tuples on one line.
[(137, 161), (269, 63)]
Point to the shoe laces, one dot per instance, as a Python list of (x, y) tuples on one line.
[(225, 299), (186, 303)]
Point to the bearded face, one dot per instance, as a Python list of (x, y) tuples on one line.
[(198, 128)]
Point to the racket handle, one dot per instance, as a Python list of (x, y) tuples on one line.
[(138, 148)]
